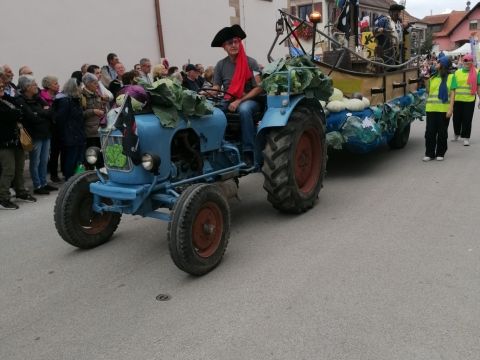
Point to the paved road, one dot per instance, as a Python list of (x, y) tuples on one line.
[(386, 266)]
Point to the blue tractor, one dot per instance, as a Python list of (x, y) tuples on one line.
[(186, 175)]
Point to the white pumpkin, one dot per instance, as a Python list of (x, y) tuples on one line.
[(355, 105), (337, 95), (366, 102), (336, 106)]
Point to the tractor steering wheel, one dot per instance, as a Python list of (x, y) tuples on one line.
[(216, 99)]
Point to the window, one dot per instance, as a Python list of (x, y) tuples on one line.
[(473, 25), (304, 11)]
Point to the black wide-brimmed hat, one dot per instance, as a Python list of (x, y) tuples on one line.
[(226, 34), (396, 7)]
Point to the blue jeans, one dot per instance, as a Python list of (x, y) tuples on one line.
[(246, 111), (39, 162)]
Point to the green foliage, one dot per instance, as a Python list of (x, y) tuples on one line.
[(114, 156), (427, 44), (168, 98), (304, 77)]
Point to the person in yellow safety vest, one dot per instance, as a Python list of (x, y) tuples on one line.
[(468, 79), (439, 108)]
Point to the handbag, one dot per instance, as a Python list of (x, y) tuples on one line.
[(25, 138)]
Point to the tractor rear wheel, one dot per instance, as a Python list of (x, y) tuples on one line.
[(295, 158), (200, 228), (75, 220)]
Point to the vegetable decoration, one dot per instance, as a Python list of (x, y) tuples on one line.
[(114, 156)]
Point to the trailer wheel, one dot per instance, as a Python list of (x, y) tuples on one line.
[(400, 138), (294, 161), (200, 228), (75, 220)]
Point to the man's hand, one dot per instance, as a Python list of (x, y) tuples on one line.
[(233, 106), (98, 112), (449, 114)]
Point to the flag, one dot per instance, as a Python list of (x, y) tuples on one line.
[(350, 7), (127, 125)]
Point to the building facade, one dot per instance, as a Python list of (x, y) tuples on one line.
[(450, 31)]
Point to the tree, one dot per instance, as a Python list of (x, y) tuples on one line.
[(427, 45)]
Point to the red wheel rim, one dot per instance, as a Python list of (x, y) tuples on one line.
[(308, 157), (92, 223), (207, 230)]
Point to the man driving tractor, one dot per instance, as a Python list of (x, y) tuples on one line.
[(239, 77)]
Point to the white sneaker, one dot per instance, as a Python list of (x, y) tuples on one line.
[(456, 137), (439, 158), (466, 142), (427, 158)]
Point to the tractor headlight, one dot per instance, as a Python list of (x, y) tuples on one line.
[(151, 162), (92, 154)]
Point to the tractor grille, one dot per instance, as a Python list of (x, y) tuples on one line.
[(114, 158)]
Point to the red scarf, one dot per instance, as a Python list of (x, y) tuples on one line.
[(472, 79), (242, 74)]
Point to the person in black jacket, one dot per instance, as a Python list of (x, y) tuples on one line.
[(12, 156), (68, 115), (38, 121)]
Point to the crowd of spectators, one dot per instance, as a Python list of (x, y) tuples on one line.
[(63, 123)]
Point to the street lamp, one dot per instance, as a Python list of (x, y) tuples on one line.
[(315, 17)]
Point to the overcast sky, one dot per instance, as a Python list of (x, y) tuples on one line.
[(421, 8)]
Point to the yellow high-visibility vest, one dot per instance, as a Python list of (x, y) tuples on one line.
[(463, 91), (434, 104)]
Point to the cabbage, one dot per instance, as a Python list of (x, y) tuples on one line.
[(136, 92), (336, 106), (355, 105), (304, 76), (337, 95), (136, 105)]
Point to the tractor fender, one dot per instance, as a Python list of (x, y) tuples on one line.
[(279, 111), (278, 114)]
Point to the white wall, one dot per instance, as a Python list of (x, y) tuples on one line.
[(190, 25), (57, 36), (258, 18)]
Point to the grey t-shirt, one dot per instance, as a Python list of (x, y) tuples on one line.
[(225, 68)]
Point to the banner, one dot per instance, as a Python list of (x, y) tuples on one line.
[(369, 44), (349, 13)]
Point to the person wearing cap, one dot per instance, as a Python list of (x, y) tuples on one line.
[(439, 108), (468, 79), (190, 81), (239, 76)]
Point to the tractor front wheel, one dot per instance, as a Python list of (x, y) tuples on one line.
[(199, 230), (75, 220), (294, 161)]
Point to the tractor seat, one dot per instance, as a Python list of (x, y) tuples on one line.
[(233, 123), (235, 117)]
